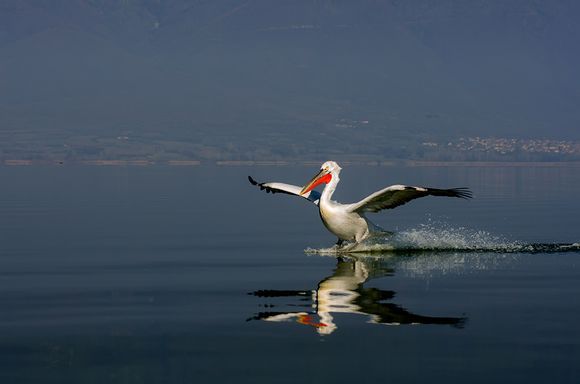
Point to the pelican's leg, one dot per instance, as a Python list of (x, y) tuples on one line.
[(339, 242), (349, 247)]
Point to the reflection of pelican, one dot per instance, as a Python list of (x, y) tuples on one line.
[(348, 221), (343, 292)]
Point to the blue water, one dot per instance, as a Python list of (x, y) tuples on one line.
[(190, 274)]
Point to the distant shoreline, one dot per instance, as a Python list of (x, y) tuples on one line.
[(229, 163)]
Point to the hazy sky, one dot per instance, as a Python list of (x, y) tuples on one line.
[(243, 70)]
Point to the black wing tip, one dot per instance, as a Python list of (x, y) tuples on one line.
[(462, 193), (261, 185)]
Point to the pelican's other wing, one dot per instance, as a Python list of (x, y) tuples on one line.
[(313, 196), (396, 195)]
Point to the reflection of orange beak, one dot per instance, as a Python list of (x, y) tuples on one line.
[(322, 177), (307, 320)]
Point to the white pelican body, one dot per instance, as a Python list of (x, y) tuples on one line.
[(348, 221), (339, 218)]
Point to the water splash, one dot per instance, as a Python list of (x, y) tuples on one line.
[(441, 264), (439, 249), (441, 238)]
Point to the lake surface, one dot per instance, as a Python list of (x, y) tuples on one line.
[(191, 275)]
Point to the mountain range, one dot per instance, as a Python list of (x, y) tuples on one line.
[(268, 76)]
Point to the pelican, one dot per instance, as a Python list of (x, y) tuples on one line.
[(344, 292), (348, 222)]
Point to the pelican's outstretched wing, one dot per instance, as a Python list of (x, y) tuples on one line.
[(396, 195), (313, 196)]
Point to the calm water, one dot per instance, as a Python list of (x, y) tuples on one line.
[(190, 275)]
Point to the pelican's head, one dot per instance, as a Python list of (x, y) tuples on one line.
[(331, 166), (327, 170)]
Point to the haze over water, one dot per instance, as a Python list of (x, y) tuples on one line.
[(168, 80), (190, 274)]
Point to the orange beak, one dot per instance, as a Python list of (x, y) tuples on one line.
[(307, 320), (322, 177)]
